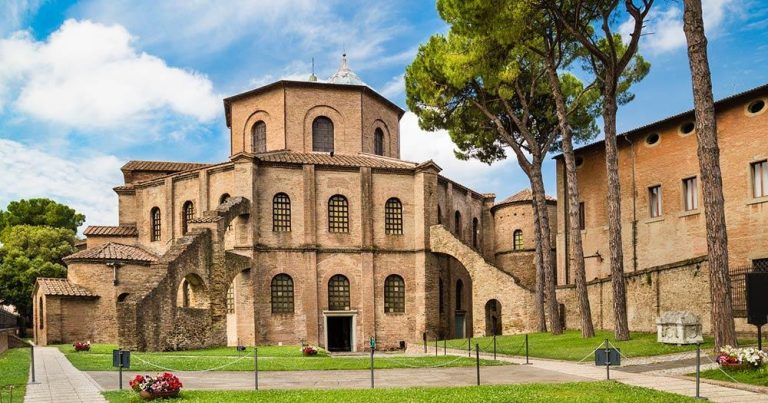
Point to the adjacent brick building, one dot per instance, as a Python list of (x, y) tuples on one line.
[(663, 227), (314, 231)]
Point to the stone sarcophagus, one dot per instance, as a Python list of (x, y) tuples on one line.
[(678, 327)]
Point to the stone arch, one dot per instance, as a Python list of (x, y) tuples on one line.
[(253, 118), (493, 323), (339, 126), (239, 308), (192, 292)]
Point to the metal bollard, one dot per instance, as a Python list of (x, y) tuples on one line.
[(435, 346), (120, 368), (494, 346), (526, 350), (698, 372), (445, 347), (469, 346), (372, 350), (477, 360), (256, 367)]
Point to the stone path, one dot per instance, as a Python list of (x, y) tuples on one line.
[(355, 379), (59, 381)]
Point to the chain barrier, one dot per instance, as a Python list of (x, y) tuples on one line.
[(198, 370), (591, 354), (407, 365), (619, 350), (723, 371)]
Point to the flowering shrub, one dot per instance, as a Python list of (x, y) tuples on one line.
[(164, 383), (309, 350), (749, 356), (80, 346)]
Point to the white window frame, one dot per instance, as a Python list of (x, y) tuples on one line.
[(655, 201), (691, 193), (759, 176)]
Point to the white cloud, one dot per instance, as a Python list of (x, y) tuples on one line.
[(664, 27), (84, 184), (394, 88), (89, 76), (418, 145)]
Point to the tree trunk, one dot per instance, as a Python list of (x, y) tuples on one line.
[(541, 320), (621, 326), (711, 181), (548, 257), (576, 252)]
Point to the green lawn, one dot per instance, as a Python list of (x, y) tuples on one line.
[(751, 376), (14, 370), (606, 391), (571, 346), (271, 358)]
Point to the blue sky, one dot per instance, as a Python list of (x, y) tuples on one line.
[(87, 85)]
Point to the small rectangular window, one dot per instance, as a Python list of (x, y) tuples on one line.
[(691, 194), (582, 216), (654, 201), (760, 178)]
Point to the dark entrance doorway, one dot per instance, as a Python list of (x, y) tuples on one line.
[(339, 333)]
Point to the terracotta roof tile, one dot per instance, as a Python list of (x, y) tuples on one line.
[(63, 287), (163, 166), (522, 196), (114, 251), (354, 160), (106, 230)]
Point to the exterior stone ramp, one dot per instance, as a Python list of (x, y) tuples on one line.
[(488, 282), (59, 381)]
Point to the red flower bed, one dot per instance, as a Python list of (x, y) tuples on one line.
[(80, 346)]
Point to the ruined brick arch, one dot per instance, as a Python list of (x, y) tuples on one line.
[(192, 292)]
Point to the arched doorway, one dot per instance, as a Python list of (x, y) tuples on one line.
[(240, 310), (493, 318), (192, 293)]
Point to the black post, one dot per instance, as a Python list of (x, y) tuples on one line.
[(698, 368), (759, 339), (372, 350), (32, 353), (424, 337), (608, 357), (494, 346), (256, 367), (120, 367), (445, 348), (477, 360), (435, 346), (526, 350), (469, 346)]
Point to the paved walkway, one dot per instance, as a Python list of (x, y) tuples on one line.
[(680, 386), (58, 381), (355, 379)]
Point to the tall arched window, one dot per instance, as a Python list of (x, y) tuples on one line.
[(187, 214), (322, 134), (394, 294), (459, 292), (393, 217), (154, 215), (259, 137), (223, 198), (475, 233), (338, 214), (281, 213), (457, 223), (282, 294), (231, 298), (378, 141), (517, 240), (338, 293), (439, 215)]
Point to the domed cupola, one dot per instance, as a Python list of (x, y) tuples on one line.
[(344, 75)]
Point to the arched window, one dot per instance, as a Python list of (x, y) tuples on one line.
[(475, 233), (338, 214), (224, 198), (154, 216), (393, 217), (459, 292), (378, 141), (322, 134), (259, 137), (338, 293), (282, 294), (439, 215), (517, 240), (440, 298), (394, 294), (187, 214), (185, 300), (457, 223), (281, 213)]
